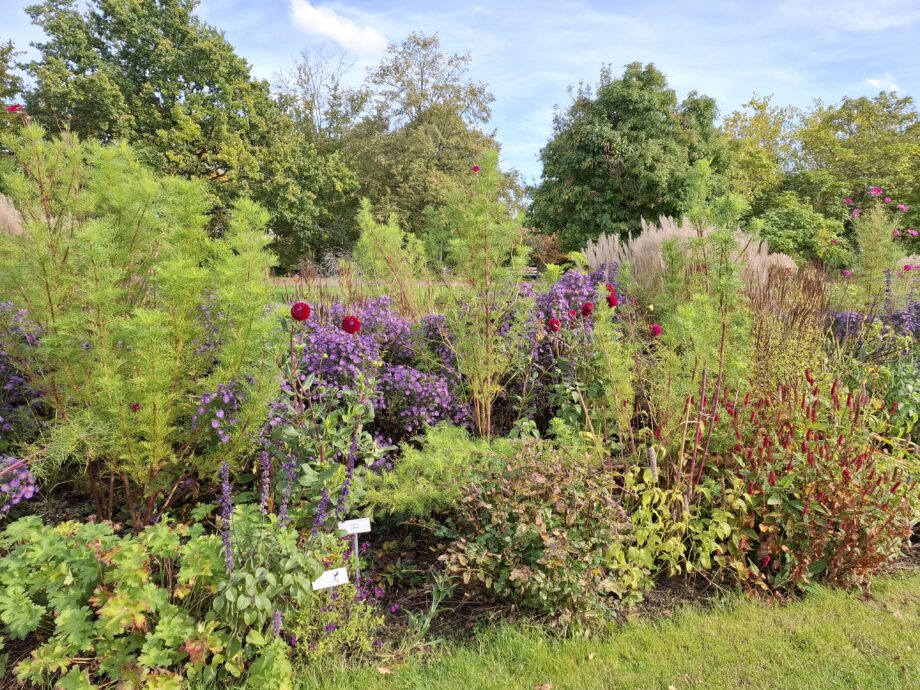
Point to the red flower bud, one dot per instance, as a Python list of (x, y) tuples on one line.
[(587, 309), (135, 406), (553, 325), (612, 301)]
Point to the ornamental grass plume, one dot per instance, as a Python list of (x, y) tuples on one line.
[(643, 253), (10, 219)]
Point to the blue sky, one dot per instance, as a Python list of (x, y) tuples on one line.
[(528, 52)]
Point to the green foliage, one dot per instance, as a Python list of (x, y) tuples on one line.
[(865, 141), (759, 140), (117, 272), (488, 252), (390, 257), (162, 79), (711, 202), (828, 498), (422, 131), (159, 605), (620, 155), (428, 480), (547, 533), (791, 226), (877, 252), (706, 322)]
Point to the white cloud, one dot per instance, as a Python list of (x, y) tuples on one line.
[(359, 39), (885, 82)]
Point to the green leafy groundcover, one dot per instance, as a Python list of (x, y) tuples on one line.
[(831, 639)]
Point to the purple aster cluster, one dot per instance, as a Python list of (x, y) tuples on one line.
[(211, 319), (392, 332), (570, 292), (414, 399), (17, 483), (393, 356), (849, 324), (17, 398), (337, 359), (216, 410)]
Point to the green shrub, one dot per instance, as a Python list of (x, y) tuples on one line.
[(154, 609), (429, 479), (547, 533), (140, 313), (793, 227)]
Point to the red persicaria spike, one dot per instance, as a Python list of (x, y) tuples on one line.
[(811, 459)]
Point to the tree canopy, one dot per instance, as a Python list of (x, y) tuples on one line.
[(620, 154)]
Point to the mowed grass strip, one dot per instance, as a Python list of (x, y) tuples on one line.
[(830, 639)]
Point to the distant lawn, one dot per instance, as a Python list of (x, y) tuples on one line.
[(831, 639)]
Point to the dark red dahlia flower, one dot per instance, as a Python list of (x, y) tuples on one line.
[(351, 325), (300, 311)]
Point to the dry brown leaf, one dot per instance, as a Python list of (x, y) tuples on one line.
[(592, 655), (384, 671), (543, 686)]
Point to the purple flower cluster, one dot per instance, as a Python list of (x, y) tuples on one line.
[(17, 483), (336, 358), (390, 331), (17, 398), (414, 399), (393, 356), (211, 319), (216, 410), (570, 292)]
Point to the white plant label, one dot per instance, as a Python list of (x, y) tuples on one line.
[(358, 526), (331, 578)]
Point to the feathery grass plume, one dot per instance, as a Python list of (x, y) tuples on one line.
[(10, 220), (643, 252)]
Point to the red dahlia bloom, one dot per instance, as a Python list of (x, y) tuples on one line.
[(612, 300), (475, 168), (135, 406), (351, 325), (553, 325), (14, 108), (611, 289), (587, 309), (655, 330), (572, 313), (300, 311)]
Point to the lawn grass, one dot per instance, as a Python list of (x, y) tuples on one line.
[(830, 639)]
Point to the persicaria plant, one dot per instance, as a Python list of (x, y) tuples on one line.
[(827, 496)]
